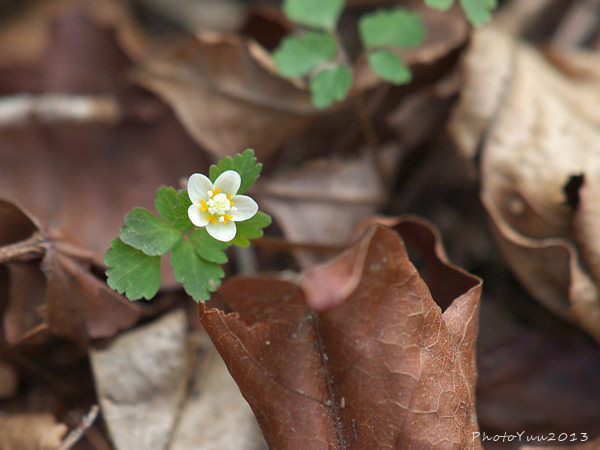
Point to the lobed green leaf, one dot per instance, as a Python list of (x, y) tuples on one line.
[(131, 271), (314, 13), (296, 56), (146, 232), (442, 5), (330, 85), (208, 247), (198, 276), (250, 229), (243, 163), (173, 207), (391, 27), (478, 11), (389, 67)]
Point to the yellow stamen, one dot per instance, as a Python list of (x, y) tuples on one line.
[(228, 196), (203, 206), (216, 191), (212, 219), (227, 217)]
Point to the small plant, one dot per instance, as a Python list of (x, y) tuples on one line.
[(317, 54), (196, 225)]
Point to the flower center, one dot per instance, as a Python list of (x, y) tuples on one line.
[(217, 207), (219, 204)]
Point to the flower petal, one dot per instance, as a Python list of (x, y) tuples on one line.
[(222, 231), (229, 182), (198, 218), (198, 186), (245, 207)]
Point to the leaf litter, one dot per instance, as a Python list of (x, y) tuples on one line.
[(87, 175)]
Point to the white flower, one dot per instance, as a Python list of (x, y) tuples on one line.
[(216, 207)]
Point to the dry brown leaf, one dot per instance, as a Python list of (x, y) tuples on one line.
[(385, 369), (538, 123), (225, 97), (159, 390), (30, 431), (323, 201), (52, 285)]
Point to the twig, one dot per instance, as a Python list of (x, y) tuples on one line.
[(24, 250), (79, 431), (52, 108)]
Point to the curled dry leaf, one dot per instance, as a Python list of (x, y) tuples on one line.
[(30, 431), (52, 286), (385, 368), (537, 121), (324, 200), (224, 95)]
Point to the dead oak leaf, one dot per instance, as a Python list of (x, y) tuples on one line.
[(537, 120), (52, 286), (386, 368), (225, 97)]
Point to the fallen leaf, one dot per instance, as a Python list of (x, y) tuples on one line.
[(384, 369), (323, 201), (225, 97), (83, 177), (160, 389), (52, 286), (30, 431), (537, 123), (141, 380)]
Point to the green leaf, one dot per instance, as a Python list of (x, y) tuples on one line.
[(199, 276), (173, 206), (391, 27), (132, 272), (208, 247), (330, 85), (148, 233), (478, 11), (389, 67), (250, 229), (243, 163), (314, 13), (296, 56), (442, 5)]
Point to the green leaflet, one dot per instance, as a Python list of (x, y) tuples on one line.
[(198, 276), (131, 271), (314, 13), (389, 67), (250, 229), (148, 233), (173, 207), (296, 56), (330, 86), (243, 163), (391, 28)]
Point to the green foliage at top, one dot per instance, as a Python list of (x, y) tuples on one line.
[(391, 28), (442, 5), (133, 259), (296, 56), (243, 163), (330, 85), (389, 67), (322, 14), (477, 11)]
